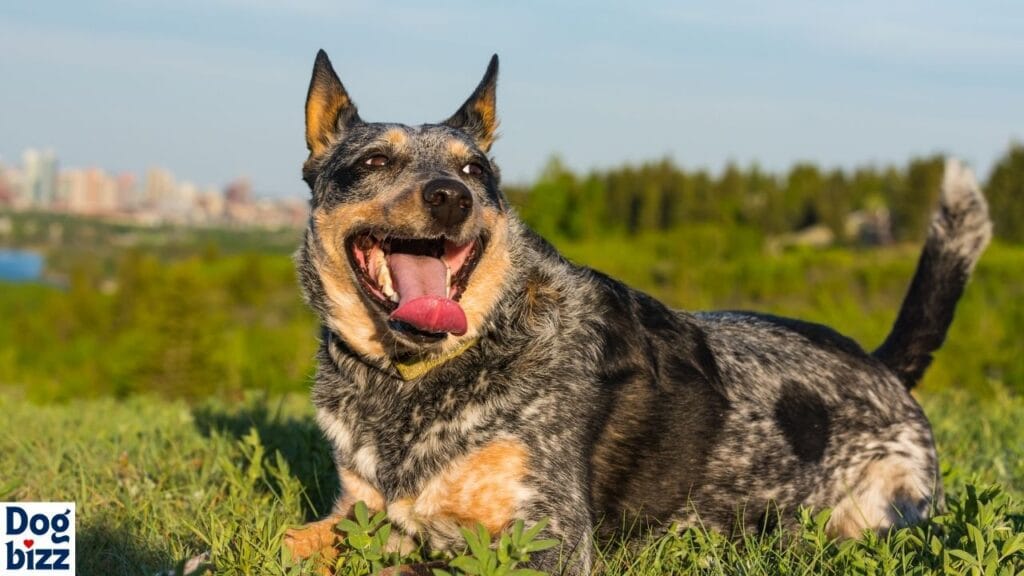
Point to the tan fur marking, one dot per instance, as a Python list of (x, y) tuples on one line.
[(396, 137), (485, 487), (321, 536), (405, 210), (355, 489), (348, 315), (487, 282), (489, 117), (889, 488), (458, 148), (322, 109), (313, 538)]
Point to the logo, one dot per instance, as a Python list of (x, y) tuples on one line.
[(37, 538)]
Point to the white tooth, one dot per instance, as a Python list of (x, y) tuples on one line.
[(374, 262), (384, 281), (447, 280)]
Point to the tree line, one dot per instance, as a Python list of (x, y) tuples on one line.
[(662, 196)]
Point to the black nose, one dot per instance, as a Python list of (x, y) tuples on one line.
[(449, 201)]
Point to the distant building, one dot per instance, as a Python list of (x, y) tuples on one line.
[(127, 193), (160, 188), (39, 181), (238, 202), (238, 191), (210, 204), (15, 186), (38, 184), (90, 191), (6, 187), (70, 190)]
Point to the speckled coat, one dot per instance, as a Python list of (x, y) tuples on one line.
[(584, 401)]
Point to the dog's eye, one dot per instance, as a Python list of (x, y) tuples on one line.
[(473, 169), (377, 161)]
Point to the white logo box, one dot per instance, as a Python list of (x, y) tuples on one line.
[(37, 538)]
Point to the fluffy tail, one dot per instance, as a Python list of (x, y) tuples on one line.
[(959, 231)]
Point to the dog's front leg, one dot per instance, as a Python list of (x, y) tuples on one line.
[(570, 522), (321, 537), (574, 553)]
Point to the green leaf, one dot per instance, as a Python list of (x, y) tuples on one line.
[(479, 542), (361, 513), (966, 557), (467, 564), (1012, 546), (538, 545), (503, 549), (359, 540), (535, 529), (348, 526)]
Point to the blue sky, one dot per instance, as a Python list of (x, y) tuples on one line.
[(213, 89)]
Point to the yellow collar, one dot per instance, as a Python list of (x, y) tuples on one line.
[(416, 368)]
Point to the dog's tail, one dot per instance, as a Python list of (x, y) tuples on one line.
[(959, 231)]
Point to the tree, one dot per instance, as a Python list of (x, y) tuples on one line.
[(912, 202), (1005, 192)]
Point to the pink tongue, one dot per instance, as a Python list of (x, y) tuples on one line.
[(422, 290)]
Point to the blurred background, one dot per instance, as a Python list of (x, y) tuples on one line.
[(783, 158)]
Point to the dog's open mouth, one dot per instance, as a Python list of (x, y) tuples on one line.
[(418, 281)]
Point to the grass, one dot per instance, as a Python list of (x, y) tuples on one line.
[(158, 481)]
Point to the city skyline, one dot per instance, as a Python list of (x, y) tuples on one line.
[(156, 196)]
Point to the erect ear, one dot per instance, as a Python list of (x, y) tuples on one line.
[(478, 116), (329, 110)]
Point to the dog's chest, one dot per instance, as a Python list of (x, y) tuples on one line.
[(433, 475), (485, 486)]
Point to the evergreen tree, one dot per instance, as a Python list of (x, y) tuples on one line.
[(1005, 192)]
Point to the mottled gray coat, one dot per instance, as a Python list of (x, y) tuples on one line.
[(596, 402)]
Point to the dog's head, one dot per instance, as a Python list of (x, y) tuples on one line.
[(407, 243)]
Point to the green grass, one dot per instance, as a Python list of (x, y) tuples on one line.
[(157, 481)]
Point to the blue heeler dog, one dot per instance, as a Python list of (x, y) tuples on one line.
[(469, 373)]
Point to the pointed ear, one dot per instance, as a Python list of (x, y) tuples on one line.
[(329, 110), (478, 116)]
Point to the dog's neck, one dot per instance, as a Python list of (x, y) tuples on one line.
[(418, 366)]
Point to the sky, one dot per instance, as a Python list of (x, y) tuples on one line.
[(214, 89)]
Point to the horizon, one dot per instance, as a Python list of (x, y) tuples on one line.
[(214, 90)]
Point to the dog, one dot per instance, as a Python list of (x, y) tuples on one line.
[(470, 374)]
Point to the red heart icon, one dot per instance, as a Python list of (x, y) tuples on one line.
[(29, 543)]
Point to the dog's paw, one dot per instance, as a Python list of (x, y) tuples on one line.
[(314, 538)]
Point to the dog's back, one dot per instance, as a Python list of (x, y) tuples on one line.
[(812, 419)]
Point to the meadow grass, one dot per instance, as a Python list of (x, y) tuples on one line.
[(158, 481)]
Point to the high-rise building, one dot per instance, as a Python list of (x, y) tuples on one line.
[(15, 179), (127, 194), (160, 188), (40, 177), (70, 191), (6, 190), (90, 191), (210, 204)]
